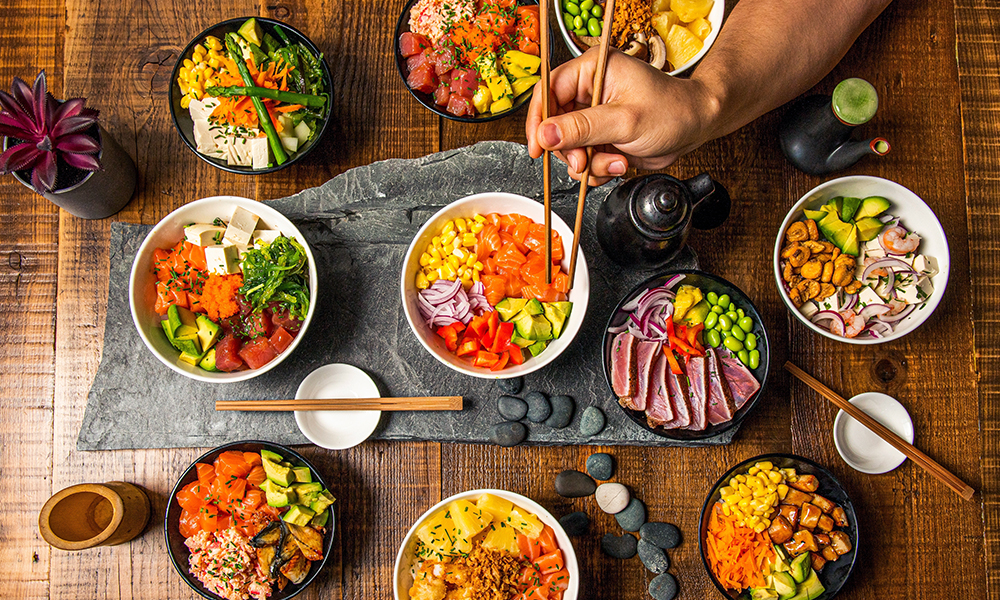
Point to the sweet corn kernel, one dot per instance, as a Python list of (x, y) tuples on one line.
[(765, 465), (432, 276), (449, 227), (752, 471), (471, 261), (744, 503), (734, 483), (461, 225), (436, 241), (435, 263), (782, 491), (475, 275), (425, 259), (752, 520), (469, 239), (479, 218), (461, 272), (454, 262), (188, 63), (741, 478), (759, 527), (731, 499), (467, 283), (435, 253), (476, 227), (215, 63), (478, 266), (760, 511), (726, 510), (422, 283), (447, 272), (725, 491), (744, 490), (185, 101), (213, 42), (771, 487), (774, 476), (448, 238), (460, 254), (199, 49)]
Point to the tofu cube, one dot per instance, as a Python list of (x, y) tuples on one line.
[(808, 309), (868, 296), (873, 248), (222, 260), (831, 303), (260, 153), (239, 152), (926, 265), (241, 227), (203, 234), (264, 236)]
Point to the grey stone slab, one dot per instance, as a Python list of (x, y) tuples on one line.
[(359, 225)]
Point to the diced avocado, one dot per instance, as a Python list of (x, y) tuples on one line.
[(833, 205), (191, 359), (307, 492), (815, 215), (321, 519), (780, 553), (287, 463), (697, 313), (869, 228), (168, 329), (279, 496), (533, 307), (783, 584), (189, 347), (298, 514), (812, 586), (509, 307), (566, 308), (271, 456), (251, 32), (872, 206), (520, 341), (182, 322), (763, 594), (799, 569), (523, 325), (323, 501), (537, 347), (835, 230), (780, 564), (849, 207), (851, 244), (208, 332), (541, 329), (279, 474), (302, 474), (555, 317), (208, 361)]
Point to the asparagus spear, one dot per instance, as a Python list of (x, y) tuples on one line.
[(232, 46), (259, 92)]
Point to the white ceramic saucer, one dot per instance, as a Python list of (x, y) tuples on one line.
[(859, 446), (335, 429)]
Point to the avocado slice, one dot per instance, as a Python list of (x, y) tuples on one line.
[(848, 207), (208, 361), (566, 308), (872, 206), (208, 332), (191, 358), (277, 473), (523, 325), (271, 456), (182, 322), (697, 313), (763, 594), (800, 567), (302, 474), (520, 341), (533, 307), (322, 502), (298, 514), (784, 584), (321, 519), (278, 496), (307, 492), (833, 205), (869, 228), (555, 317), (814, 215), (537, 347), (851, 245), (250, 31), (541, 329), (508, 307), (835, 230), (813, 587)]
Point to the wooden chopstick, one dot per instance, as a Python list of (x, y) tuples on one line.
[(926, 462), (543, 6), (386, 404), (602, 63)]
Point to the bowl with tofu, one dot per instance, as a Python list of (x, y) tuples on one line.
[(222, 289), (861, 260), (486, 536), (223, 128)]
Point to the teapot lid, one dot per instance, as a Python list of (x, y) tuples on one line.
[(661, 204)]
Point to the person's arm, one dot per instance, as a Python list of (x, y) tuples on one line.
[(768, 52)]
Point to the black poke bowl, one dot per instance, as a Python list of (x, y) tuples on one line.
[(182, 118), (426, 99), (707, 283), (179, 552), (834, 574)]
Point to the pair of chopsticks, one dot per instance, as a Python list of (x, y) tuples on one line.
[(385, 404), (602, 61), (927, 463)]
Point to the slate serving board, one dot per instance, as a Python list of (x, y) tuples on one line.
[(359, 225)]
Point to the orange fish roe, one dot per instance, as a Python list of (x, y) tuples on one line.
[(218, 298)]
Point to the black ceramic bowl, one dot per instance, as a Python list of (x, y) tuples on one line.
[(427, 100), (835, 573), (707, 283), (182, 118), (179, 553)]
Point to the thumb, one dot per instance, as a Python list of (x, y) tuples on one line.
[(604, 124)]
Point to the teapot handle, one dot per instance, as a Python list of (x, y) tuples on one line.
[(711, 208)]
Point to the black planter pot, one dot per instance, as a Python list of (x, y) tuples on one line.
[(101, 193)]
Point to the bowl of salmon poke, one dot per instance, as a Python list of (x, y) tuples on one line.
[(475, 292), (686, 355)]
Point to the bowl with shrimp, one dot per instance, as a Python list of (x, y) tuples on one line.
[(861, 260)]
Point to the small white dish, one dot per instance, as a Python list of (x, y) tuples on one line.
[(859, 446), (337, 429)]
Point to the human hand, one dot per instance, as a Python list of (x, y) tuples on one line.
[(647, 118)]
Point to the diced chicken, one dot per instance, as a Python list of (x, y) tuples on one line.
[(780, 530), (795, 497), (810, 515), (806, 483), (840, 542)]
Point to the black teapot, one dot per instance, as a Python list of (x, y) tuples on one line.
[(645, 221)]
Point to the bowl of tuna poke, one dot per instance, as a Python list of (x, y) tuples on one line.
[(686, 355), (474, 287), (251, 95), (223, 289), (469, 61)]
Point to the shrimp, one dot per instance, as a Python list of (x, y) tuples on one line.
[(877, 272), (897, 240), (853, 323), (896, 307)]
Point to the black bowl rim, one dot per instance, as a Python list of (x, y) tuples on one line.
[(174, 106), (189, 579), (848, 506), (711, 430), (402, 25)]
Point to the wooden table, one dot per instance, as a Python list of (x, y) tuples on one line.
[(919, 540)]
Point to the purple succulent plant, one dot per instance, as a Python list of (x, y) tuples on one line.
[(48, 132)]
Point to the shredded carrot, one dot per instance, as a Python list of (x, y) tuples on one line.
[(218, 296), (737, 554), (238, 111)]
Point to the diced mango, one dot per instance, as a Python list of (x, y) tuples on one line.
[(501, 537), (528, 64), (525, 522), (495, 505), (663, 21), (523, 84), (469, 520), (682, 46), (689, 10), (499, 87), (501, 105), (701, 28)]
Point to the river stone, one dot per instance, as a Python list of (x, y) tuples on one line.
[(663, 587), (661, 535), (634, 515), (592, 421), (619, 547), (574, 484), (612, 498), (539, 407), (511, 433), (562, 412), (655, 559), (601, 466), (514, 385), (511, 408), (575, 523)]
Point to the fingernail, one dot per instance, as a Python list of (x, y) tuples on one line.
[(550, 135), (617, 168), (573, 164)]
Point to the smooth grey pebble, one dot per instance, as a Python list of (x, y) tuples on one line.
[(511, 408), (663, 587), (661, 535), (575, 523), (574, 484), (511, 433), (539, 407), (514, 385), (619, 547), (633, 517), (592, 421), (655, 559), (601, 466), (562, 411)]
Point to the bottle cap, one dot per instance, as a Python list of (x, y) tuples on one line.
[(855, 101)]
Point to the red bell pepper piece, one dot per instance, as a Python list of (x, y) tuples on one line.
[(501, 362), (501, 343), (450, 334), (692, 336), (479, 324), (516, 355), (494, 325), (675, 367), (485, 359), (468, 347)]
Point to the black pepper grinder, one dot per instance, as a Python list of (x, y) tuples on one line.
[(645, 221)]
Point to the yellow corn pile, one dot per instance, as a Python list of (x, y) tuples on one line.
[(451, 254), (753, 498), (199, 71)]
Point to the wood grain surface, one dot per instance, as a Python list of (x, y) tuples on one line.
[(939, 110)]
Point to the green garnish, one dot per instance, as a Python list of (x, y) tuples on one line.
[(276, 272)]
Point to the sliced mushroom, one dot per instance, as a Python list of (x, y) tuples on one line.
[(637, 49), (657, 52)]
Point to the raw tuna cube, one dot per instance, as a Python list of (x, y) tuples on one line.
[(281, 339), (415, 61), (227, 354), (412, 43), (257, 352), (460, 106), (444, 59), (423, 79), (441, 95), (281, 318), (464, 82)]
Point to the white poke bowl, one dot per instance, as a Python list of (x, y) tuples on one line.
[(492, 202), (166, 234), (402, 578), (914, 215), (715, 17)]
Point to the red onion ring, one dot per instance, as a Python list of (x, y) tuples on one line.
[(837, 326), (898, 316), (874, 310), (849, 301)]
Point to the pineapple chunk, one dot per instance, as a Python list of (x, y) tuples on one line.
[(689, 10), (468, 519), (682, 46), (496, 506), (660, 6), (663, 21), (525, 522), (701, 28), (502, 536), (440, 536)]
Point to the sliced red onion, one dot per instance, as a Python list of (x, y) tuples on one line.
[(660, 330), (618, 328), (441, 290), (670, 282), (893, 264), (898, 316), (849, 301), (886, 218), (836, 327), (880, 329), (874, 310)]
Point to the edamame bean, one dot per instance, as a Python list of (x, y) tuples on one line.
[(571, 8), (737, 333), (580, 31), (568, 19), (712, 338), (744, 356), (725, 323), (733, 344), (594, 27), (733, 316), (746, 324), (751, 341), (754, 359), (597, 11), (711, 320), (717, 310), (724, 301), (585, 15), (578, 22), (712, 298), (587, 4)]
